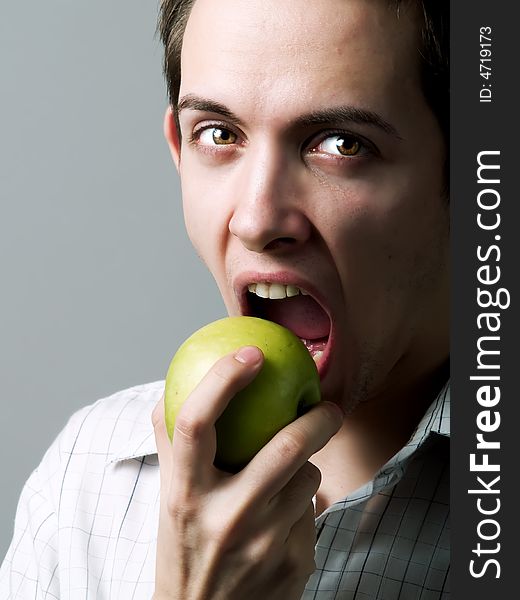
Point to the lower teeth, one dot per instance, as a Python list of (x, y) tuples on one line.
[(316, 356)]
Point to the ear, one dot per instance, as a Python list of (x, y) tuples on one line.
[(171, 134)]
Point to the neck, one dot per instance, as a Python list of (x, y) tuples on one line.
[(374, 432)]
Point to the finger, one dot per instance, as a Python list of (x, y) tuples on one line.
[(293, 500), (301, 543), (162, 441), (299, 564), (279, 460), (194, 437)]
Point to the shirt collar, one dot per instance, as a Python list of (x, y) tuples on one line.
[(436, 421), (140, 441)]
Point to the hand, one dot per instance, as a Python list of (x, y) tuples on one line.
[(248, 535)]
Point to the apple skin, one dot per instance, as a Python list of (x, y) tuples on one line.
[(287, 385)]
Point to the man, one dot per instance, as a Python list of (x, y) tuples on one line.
[(310, 141)]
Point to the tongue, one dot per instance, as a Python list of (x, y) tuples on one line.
[(301, 314)]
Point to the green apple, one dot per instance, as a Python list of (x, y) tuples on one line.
[(287, 385)]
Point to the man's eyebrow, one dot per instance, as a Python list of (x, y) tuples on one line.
[(341, 114), (327, 116), (193, 102)]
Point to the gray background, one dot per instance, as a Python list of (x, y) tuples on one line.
[(99, 284)]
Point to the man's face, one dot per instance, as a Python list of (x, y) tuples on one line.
[(310, 158)]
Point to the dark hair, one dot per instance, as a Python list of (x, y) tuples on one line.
[(434, 50)]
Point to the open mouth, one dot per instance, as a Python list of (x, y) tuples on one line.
[(297, 310)]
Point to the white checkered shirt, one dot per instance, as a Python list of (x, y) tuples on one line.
[(86, 523)]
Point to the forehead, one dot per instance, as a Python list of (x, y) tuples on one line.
[(275, 54)]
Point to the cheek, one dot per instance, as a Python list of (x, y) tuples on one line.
[(390, 243), (204, 213), (197, 223), (398, 215)]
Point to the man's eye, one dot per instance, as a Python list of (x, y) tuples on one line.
[(340, 145), (216, 136)]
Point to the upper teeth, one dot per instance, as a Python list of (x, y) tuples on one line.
[(275, 291)]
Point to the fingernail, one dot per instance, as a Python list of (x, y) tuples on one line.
[(248, 355)]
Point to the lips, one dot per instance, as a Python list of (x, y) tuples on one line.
[(290, 302)]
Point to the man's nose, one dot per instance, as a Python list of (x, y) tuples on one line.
[(269, 210)]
